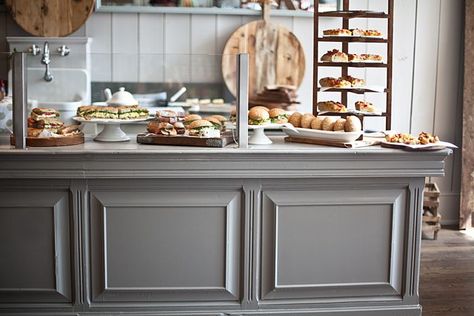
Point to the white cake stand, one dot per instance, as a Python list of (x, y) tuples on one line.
[(112, 131), (258, 137)]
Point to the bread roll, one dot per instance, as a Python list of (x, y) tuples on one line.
[(316, 122), (339, 125), (328, 124), (306, 120), (295, 119), (353, 124)]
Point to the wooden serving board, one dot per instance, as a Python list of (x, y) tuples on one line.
[(276, 57), (50, 18), (313, 141), (154, 139), (52, 141)]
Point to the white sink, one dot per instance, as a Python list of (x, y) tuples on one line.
[(68, 85)]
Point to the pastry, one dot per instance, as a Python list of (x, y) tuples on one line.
[(295, 119), (353, 124), (327, 82), (355, 82), (306, 120), (328, 124), (357, 32), (339, 125), (402, 138), (342, 83), (335, 56), (372, 33), (317, 122), (364, 106), (427, 138), (371, 57), (337, 32), (331, 106), (354, 58)]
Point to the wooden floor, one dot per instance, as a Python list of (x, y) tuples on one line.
[(447, 274)]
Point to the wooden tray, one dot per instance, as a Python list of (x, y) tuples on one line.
[(154, 139), (52, 141), (313, 141)]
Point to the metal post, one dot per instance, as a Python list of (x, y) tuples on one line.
[(19, 99), (242, 99)]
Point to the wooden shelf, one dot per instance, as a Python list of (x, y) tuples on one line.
[(345, 15), (353, 14), (359, 65), (353, 90), (350, 39)]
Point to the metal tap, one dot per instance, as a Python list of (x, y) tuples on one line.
[(45, 60)]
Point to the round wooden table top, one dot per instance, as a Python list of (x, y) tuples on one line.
[(50, 18)]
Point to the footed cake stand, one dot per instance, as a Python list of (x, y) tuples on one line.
[(112, 131)]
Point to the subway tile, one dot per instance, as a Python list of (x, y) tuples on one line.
[(177, 33), (101, 67), (151, 68), (151, 33), (125, 67), (203, 34), (99, 28), (125, 33), (226, 25)]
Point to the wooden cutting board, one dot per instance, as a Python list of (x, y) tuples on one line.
[(154, 139), (50, 18), (276, 57)]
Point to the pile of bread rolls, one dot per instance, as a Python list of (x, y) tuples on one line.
[(326, 123)]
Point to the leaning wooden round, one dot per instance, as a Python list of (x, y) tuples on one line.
[(353, 124), (340, 125), (316, 122), (306, 120), (295, 119), (50, 18), (328, 124), (276, 57)]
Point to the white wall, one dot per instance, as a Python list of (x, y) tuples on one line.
[(427, 56)]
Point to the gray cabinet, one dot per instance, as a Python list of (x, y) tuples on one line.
[(337, 241), (35, 256), (156, 243)]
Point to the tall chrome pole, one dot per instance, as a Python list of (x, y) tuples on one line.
[(19, 99), (242, 99)]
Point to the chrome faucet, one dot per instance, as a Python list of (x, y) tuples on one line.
[(45, 60)]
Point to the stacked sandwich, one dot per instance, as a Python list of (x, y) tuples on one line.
[(171, 124), (45, 121), (125, 112)]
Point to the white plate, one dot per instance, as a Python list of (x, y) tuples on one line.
[(342, 137), (434, 146), (108, 121)]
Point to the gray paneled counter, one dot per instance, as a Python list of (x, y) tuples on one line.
[(282, 229)]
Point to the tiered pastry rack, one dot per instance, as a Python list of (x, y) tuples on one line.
[(346, 14)]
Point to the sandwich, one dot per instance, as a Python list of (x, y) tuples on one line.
[(203, 128), (365, 106), (335, 56), (188, 119), (221, 118), (167, 116), (214, 121), (42, 113), (69, 130), (233, 114), (131, 112), (258, 116), (278, 116), (46, 123), (179, 127)]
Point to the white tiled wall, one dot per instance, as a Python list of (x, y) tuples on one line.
[(427, 76)]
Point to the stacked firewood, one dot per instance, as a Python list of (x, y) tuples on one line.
[(276, 96)]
